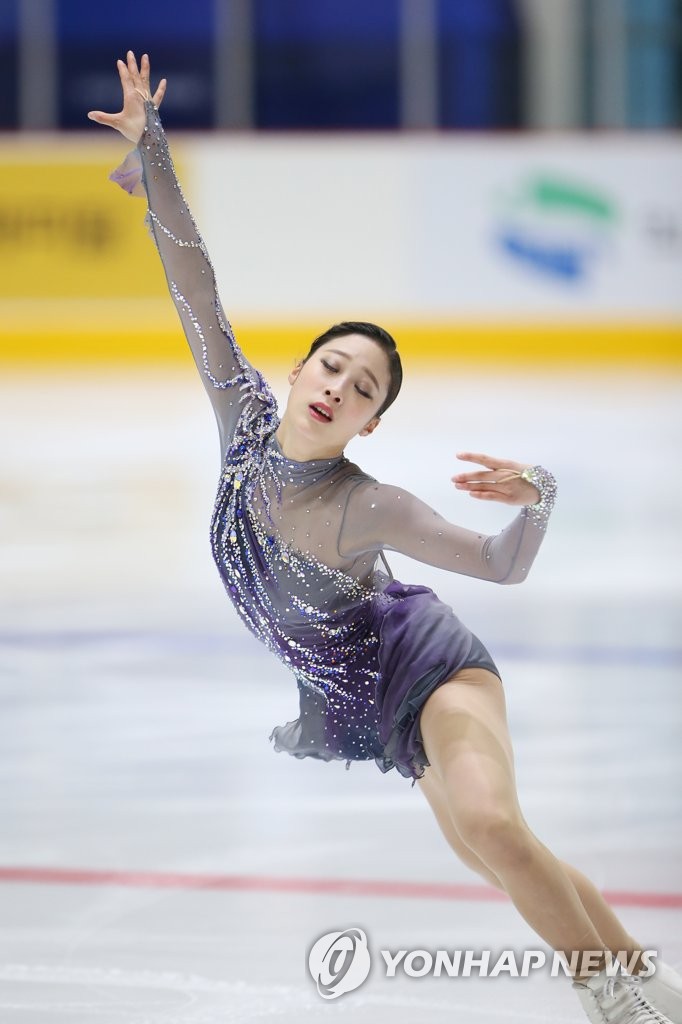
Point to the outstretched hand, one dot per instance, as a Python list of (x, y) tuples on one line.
[(130, 121), (503, 481)]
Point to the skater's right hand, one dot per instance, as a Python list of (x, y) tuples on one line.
[(130, 121)]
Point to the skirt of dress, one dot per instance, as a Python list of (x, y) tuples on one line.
[(422, 643)]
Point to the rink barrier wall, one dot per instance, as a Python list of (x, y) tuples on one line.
[(513, 250), (152, 334)]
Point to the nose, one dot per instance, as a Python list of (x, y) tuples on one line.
[(332, 394)]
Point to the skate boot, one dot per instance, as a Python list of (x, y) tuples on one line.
[(664, 991), (616, 999)]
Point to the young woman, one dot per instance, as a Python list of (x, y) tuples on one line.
[(384, 670)]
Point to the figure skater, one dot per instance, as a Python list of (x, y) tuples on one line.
[(384, 670)]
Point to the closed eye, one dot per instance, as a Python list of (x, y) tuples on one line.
[(335, 369)]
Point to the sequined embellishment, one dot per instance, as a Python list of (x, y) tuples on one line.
[(547, 486)]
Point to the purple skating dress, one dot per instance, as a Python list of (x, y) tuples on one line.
[(299, 545)]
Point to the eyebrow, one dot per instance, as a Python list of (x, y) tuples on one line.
[(368, 372)]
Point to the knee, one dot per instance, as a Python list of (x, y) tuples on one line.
[(497, 836)]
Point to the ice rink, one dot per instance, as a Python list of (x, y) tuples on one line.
[(160, 863)]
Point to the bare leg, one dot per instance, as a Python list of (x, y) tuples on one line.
[(465, 734), (612, 932), (616, 938)]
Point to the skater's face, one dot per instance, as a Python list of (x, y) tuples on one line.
[(347, 377)]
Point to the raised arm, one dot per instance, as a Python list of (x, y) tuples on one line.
[(236, 389), (381, 516)]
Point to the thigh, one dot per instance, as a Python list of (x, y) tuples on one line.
[(432, 788), (464, 730)]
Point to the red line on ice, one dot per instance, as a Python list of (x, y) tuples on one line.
[(265, 883)]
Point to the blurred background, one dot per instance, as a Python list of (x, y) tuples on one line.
[(318, 64), (499, 184), (481, 174)]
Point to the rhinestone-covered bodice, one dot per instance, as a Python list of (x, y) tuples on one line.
[(273, 535)]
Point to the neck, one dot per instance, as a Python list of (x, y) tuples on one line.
[(299, 448)]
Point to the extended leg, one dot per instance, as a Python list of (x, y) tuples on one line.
[(465, 735), (613, 934), (472, 790)]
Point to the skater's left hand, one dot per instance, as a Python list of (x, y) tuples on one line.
[(503, 481)]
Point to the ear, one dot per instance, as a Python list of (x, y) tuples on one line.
[(295, 372), (370, 427)]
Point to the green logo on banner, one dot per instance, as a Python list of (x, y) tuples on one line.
[(556, 227)]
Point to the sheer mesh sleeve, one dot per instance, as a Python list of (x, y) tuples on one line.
[(229, 378), (384, 517)]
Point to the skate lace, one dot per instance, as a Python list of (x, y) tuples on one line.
[(638, 1010)]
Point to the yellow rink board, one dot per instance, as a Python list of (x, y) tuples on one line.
[(135, 330), (81, 282), (67, 232)]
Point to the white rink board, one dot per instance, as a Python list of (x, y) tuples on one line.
[(439, 227)]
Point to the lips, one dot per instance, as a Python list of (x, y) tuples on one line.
[(321, 412)]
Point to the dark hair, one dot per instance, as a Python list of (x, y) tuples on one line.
[(382, 338)]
